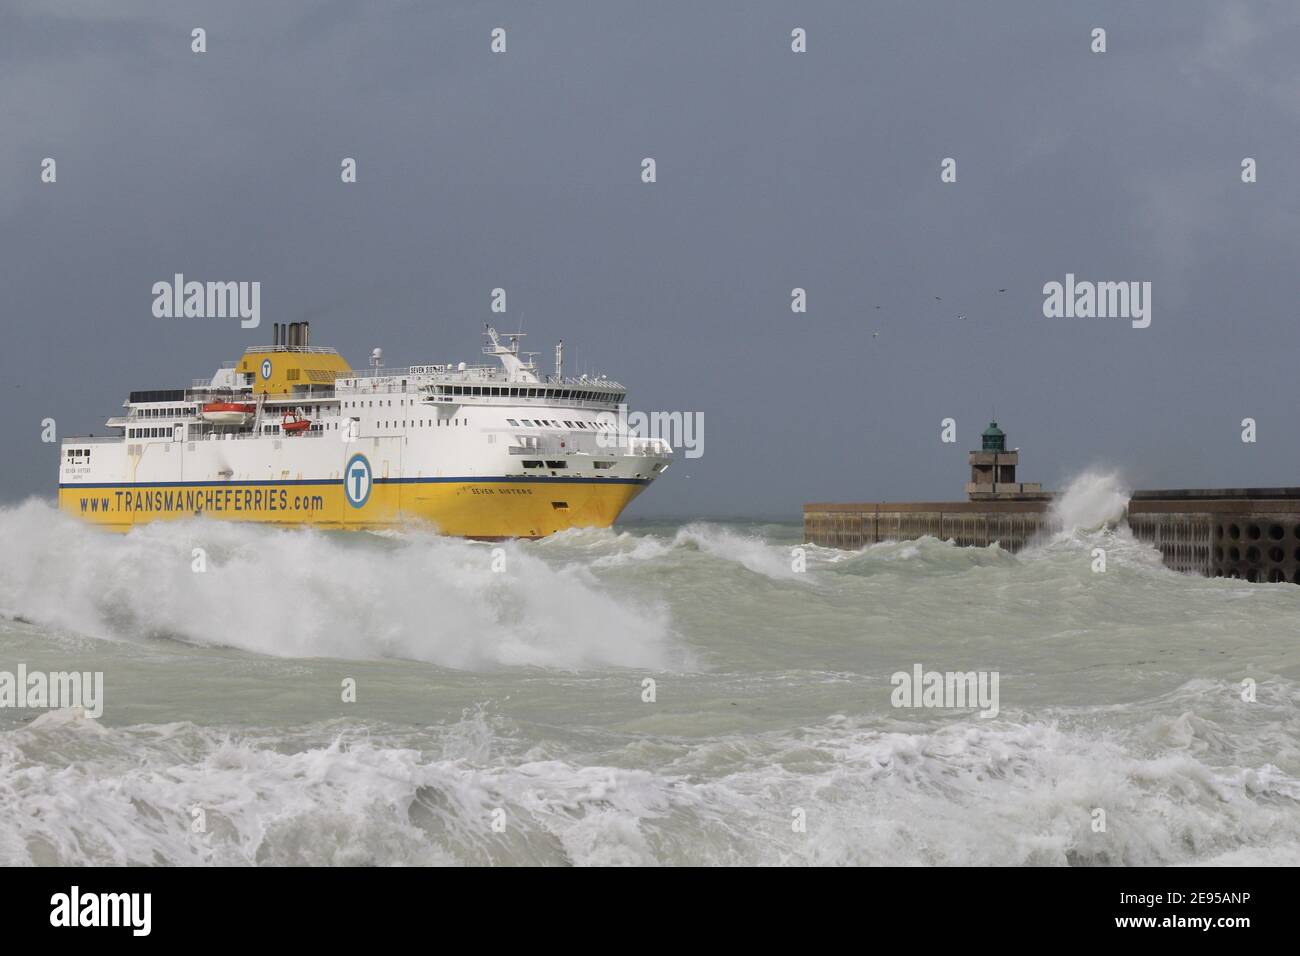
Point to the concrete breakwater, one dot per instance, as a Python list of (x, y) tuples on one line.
[(1247, 533), (1012, 524), (1001, 508)]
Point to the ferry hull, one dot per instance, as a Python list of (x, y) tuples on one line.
[(471, 508)]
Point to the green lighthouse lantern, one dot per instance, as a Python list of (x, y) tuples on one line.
[(995, 439)]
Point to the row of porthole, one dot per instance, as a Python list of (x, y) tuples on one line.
[(1275, 554), (1275, 532)]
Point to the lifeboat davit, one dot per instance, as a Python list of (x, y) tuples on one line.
[(228, 413), (294, 423)]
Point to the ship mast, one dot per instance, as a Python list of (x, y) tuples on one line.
[(516, 369)]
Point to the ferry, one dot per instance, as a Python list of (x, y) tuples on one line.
[(291, 435)]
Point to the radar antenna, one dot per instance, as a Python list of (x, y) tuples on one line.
[(516, 369)]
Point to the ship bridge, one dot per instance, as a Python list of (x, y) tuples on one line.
[(514, 381)]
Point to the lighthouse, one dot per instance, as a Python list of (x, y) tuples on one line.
[(993, 471)]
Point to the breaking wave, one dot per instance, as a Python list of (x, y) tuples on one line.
[(1120, 691), (321, 594), (1091, 501), (1005, 792)]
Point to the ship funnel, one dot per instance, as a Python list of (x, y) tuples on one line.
[(292, 335)]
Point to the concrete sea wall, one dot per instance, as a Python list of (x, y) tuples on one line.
[(1247, 533)]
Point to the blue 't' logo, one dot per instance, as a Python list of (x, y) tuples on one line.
[(357, 480)]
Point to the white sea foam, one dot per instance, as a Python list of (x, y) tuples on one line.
[(1005, 793), (604, 548), (748, 551), (308, 594), (1090, 501), (1120, 691)]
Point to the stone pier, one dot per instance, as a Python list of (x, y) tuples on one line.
[(1247, 533), (977, 524)]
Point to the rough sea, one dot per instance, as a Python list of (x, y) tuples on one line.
[(696, 692)]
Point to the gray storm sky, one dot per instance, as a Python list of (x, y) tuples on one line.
[(775, 169)]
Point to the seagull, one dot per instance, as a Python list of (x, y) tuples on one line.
[(961, 315), (875, 335), (1002, 290), (938, 299)]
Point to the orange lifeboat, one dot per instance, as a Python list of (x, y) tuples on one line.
[(228, 413), (294, 423)]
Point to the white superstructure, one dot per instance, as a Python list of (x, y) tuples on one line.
[(486, 450)]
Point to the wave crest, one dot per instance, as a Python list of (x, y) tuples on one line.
[(305, 593)]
